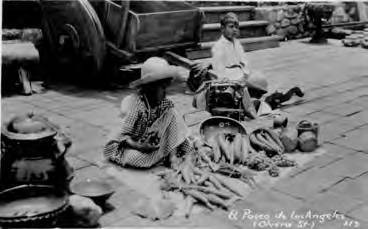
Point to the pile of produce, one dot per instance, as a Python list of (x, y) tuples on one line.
[(195, 178), (262, 150), (220, 170)]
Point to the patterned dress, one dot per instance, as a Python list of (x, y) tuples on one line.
[(140, 121)]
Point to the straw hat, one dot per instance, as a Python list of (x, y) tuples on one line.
[(257, 81), (154, 69)]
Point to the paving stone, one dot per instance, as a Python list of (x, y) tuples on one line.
[(9, 111), (360, 213), (330, 201), (333, 153), (321, 102), (356, 139), (361, 116), (307, 183), (92, 153), (120, 206), (216, 220), (97, 117), (95, 173), (344, 109), (351, 166), (134, 221), (77, 163), (337, 150), (180, 221), (332, 130), (44, 102), (72, 109), (269, 202), (12, 100), (351, 95), (317, 179), (82, 131), (300, 109), (356, 188), (360, 101), (321, 117), (61, 120), (322, 93), (353, 122), (348, 85)]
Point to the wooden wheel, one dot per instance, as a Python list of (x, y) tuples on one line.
[(74, 35)]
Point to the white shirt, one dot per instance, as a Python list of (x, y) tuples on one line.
[(226, 54)]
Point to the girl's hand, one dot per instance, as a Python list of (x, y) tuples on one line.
[(137, 145), (147, 147)]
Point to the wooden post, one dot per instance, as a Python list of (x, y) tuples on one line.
[(24, 77), (362, 11)]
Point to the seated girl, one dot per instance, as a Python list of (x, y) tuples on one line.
[(151, 131)]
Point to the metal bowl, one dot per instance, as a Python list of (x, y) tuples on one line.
[(97, 190), (216, 124), (31, 206)]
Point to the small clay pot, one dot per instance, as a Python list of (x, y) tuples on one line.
[(307, 141)]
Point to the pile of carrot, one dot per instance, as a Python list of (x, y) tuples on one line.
[(201, 185)]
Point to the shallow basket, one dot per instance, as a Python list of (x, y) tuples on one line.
[(217, 124)]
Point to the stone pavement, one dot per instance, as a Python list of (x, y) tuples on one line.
[(335, 79)]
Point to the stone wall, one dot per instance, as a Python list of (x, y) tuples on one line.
[(286, 21)]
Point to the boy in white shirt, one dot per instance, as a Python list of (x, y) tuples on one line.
[(228, 59)]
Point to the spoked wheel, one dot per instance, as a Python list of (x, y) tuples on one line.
[(75, 38)]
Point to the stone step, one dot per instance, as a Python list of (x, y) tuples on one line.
[(214, 13), (211, 32), (249, 44)]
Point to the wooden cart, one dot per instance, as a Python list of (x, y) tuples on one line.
[(95, 35)]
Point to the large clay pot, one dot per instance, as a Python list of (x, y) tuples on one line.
[(33, 152)]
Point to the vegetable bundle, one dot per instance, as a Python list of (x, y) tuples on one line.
[(200, 184), (226, 147), (267, 140)]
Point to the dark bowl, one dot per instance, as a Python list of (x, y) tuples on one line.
[(98, 191)]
